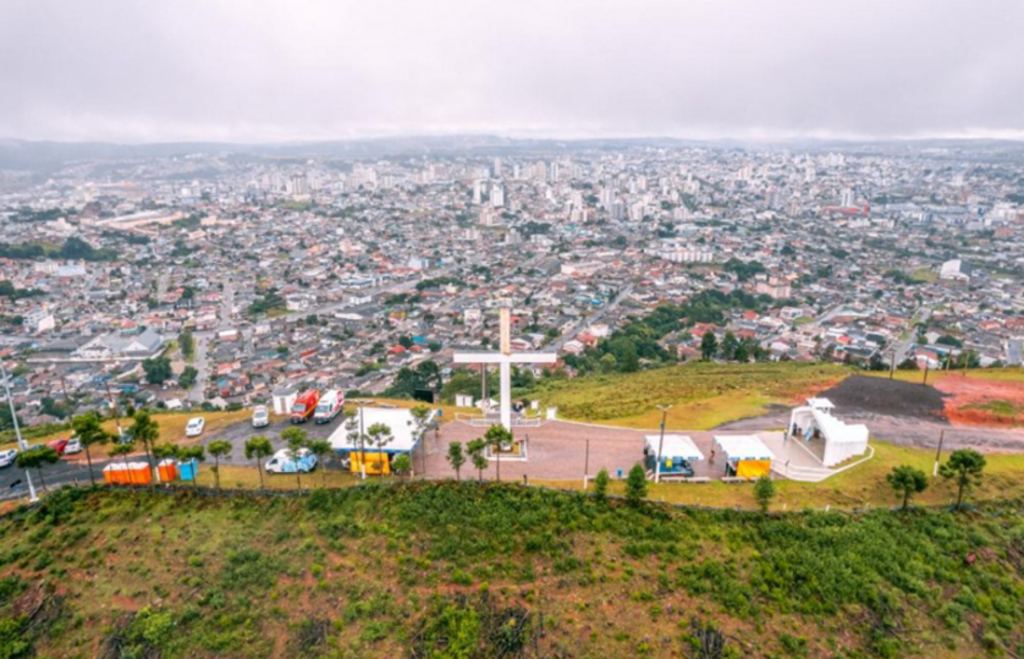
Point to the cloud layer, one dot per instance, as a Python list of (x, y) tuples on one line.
[(273, 70)]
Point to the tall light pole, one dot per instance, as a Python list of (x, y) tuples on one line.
[(32, 497), (362, 436), (661, 441)]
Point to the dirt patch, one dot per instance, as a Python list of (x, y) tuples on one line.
[(971, 401), (858, 395)]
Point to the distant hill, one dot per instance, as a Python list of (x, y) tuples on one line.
[(445, 570)]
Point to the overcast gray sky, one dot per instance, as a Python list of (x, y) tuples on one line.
[(272, 70)]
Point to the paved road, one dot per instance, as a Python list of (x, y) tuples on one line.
[(75, 471)]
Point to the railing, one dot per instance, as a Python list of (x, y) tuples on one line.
[(487, 421)]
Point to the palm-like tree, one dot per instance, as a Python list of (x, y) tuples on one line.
[(380, 436), (297, 439), (495, 436), (35, 458), (165, 451), (258, 447), (218, 449), (321, 448), (476, 450), (145, 430), (90, 432)]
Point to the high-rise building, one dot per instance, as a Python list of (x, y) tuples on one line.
[(497, 195)]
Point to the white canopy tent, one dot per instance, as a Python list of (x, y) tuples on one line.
[(674, 446), (842, 440), (743, 447)]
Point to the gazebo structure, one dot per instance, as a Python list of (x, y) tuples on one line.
[(746, 456), (678, 452), (841, 441)]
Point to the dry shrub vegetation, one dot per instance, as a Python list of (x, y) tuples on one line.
[(482, 570)]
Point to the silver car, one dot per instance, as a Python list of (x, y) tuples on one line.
[(260, 417), (7, 457)]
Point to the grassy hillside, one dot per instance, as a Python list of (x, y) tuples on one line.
[(703, 395), (468, 571)]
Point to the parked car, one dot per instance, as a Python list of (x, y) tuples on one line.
[(283, 463), (74, 446), (195, 426), (59, 445), (7, 457), (260, 417)]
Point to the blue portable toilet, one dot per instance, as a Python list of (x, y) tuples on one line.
[(187, 470)]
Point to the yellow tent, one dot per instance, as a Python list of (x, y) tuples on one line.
[(753, 468), (376, 463)]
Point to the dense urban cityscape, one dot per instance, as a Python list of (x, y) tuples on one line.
[(213, 278)]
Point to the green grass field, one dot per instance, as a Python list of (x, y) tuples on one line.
[(443, 570), (702, 395)]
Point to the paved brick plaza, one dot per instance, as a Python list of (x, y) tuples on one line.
[(557, 451)]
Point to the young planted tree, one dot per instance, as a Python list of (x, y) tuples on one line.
[(321, 448), (259, 447), (764, 492), (218, 449), (356, 438), (964, 468), (35, 458), (907, 481), (476, 449), (456, 458), (495, 436), (601, 485), (402, 464), (165, 451), (379, 435), (122, 451), (636, 485), (296, 439), (90, 433), (146, 431)]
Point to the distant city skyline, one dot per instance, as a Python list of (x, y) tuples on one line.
[(278, 71)]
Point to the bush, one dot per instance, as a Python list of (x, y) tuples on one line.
[(636, 485), (764, 492), (601, 485)]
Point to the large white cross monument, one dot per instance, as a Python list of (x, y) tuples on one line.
[(504, 358)]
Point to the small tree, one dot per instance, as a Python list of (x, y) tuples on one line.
[(35, 458), (380, 436), (122, 451), (907, 481), (456, 458), (601, 485), (321, 448), (476, 449), (218, 449), (708, 345), (90, 433), (164, 451), (402, 464), (495, 436), (636, 485), (146, 431), (964, 468), (356, 437), (764, 492), (296, 439), (258, 447)]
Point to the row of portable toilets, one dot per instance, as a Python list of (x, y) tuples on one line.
[(139, 473)]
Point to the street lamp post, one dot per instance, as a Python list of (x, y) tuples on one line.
[(32, 497), (661, 441)]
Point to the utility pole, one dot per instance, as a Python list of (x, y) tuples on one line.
[(32, 497), (938, 454), (927, 363), (661, 441), (113, 406), (892, 363), (586, 464)]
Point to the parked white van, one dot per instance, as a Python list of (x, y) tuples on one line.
[(330, 405)]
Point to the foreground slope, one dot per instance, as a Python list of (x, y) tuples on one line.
[(468, 570)]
